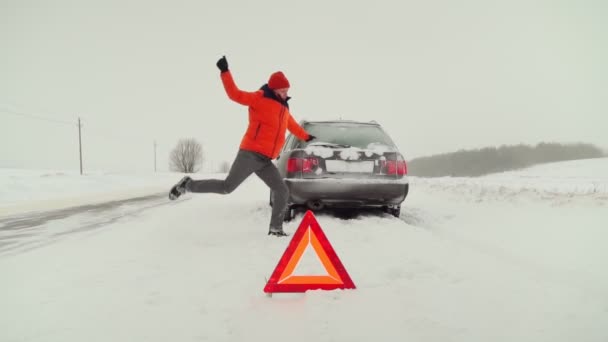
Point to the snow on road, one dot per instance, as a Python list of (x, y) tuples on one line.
[(524, 263)]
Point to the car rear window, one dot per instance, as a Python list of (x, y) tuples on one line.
[(346, 134)]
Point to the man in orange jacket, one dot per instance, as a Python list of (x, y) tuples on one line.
[(269, 118)]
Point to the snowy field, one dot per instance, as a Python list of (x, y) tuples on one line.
[(519, 256), (34, 190)]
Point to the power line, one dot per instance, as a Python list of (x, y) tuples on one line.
[(36, 117), (96, 131), (108, 134)]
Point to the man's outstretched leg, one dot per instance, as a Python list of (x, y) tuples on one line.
[(244, 164), (270, 175)]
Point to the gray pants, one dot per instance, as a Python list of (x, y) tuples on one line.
[(244, 165)]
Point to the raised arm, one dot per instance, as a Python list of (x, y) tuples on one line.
[(234, 93)]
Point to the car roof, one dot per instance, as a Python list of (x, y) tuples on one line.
[(372, 122)]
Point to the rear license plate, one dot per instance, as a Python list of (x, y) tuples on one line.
[(349, 166)]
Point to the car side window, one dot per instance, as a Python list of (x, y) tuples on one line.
[(288, 143), (292, 142)]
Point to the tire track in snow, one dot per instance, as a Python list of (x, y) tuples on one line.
[(410, 215), (27, 232), (419, 217)]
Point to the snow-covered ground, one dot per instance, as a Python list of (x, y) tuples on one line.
[(23, 190), (519, 256), (565, 181)]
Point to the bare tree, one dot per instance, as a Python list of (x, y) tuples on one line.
[(224, 167), (187, 156)]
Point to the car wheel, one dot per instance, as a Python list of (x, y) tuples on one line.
[(395, 211), (290, 214)]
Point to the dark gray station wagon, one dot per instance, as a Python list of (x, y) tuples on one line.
[(350, 164)]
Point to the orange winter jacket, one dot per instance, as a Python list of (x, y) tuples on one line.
[(269, 118)]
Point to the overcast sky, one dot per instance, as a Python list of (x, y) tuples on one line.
[(438, 75)]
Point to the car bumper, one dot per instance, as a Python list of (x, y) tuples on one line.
[(347, 193)]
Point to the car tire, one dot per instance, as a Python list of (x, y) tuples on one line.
[(290, 214), (395, 211)]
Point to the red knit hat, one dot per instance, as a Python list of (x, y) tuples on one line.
[(278, 81)]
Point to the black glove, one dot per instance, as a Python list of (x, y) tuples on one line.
[(310, 137), (222, 64)]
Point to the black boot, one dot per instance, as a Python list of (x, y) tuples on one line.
[(179, 188)]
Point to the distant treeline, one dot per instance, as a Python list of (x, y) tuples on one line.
[(470, 163)]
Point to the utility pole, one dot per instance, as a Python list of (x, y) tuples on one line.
[(155, 156), (80, 144)]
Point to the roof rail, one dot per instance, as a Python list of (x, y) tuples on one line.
[(371, 122)]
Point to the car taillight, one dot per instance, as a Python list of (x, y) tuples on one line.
[(306, 165), (394, 167)]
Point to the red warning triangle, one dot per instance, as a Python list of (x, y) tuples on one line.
[(309, 233)]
